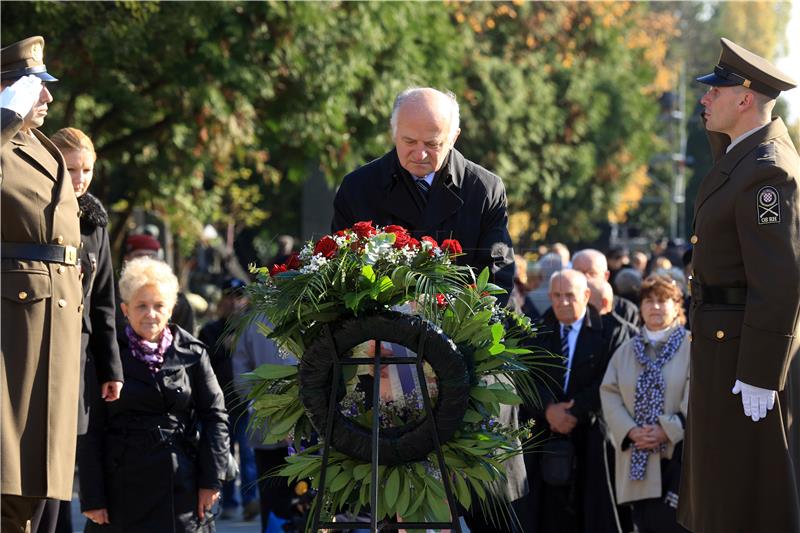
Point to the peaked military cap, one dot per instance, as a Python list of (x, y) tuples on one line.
[(23, 58), (738, 66)]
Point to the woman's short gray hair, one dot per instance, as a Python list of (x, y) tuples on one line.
[(455, 120), (143, 271)]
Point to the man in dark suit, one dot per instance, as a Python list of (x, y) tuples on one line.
[(573, 331), (427, 186), (594, 265), (737, 470)]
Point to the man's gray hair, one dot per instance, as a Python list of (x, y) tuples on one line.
[(415, 91)]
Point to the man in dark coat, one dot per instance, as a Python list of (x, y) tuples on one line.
[(41, 304), (573, 331), (428, 187), (737, 474)]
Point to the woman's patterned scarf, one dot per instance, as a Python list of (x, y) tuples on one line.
[(648, 404), (149, 353)]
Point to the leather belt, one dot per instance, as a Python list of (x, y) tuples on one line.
[(706, 294), (53, 253)]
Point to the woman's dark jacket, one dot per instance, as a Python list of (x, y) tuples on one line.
[(146, 454), (99, 352)]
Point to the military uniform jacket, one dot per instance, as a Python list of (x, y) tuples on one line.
[(466, 202), (41, 319), (737, 473)]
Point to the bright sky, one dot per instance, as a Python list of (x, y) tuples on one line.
[(791, 63)]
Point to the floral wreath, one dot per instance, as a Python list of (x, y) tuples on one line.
[(366, 270)]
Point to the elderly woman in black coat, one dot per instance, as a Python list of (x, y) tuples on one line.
[(155, 459)]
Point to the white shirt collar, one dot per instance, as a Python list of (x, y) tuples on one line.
[(742, 137)]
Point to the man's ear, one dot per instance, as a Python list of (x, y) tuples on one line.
[(747, 100), (455, 137)]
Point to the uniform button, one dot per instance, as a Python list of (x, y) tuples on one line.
[(60, 239), (80, 308), (720, 334), (22, 295), (62, 302), (690, 337), (179, 390), (60, 269), (693, 239), (80, 276), (81, 245)]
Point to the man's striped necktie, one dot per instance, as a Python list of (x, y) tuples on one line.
[(565, 329), (423, 187)]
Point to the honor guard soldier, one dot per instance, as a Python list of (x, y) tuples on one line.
[(737, 471), (41, 289)]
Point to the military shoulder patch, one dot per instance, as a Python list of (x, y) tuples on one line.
[(765, 154), (768, 205)]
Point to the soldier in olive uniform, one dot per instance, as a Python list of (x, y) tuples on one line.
[(41, 296), (737, 474)]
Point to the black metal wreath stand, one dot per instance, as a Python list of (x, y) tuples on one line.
[(383, 525)]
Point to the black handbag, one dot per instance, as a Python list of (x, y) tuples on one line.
[(558, 462)]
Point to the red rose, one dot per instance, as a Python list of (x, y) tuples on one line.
[(277, 269), (413, 243), (430, 240), (293, 263), (340, 233), (441, 300), (364, 229), (326, 246), (393, 228), (452, 246), (401, 239)]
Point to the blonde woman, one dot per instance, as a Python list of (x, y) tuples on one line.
[(155, 459)]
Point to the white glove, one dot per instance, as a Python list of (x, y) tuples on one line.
[(755, 400), (21, 95)]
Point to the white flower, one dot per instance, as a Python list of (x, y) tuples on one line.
[(317, 261)]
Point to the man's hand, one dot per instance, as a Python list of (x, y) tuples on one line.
[(559, 417), (110, 390), (98, 516), (755, 400), (21, 95), (205, 500)]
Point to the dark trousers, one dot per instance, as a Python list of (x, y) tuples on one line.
[(15, 511), (653, 516), (275, 493), (55, 516)]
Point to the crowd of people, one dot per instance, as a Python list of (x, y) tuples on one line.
[(108, 368)]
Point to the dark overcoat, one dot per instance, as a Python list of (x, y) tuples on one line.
[(142, 458), (41, 319), (737, 475), (99, 349), (466, 202), (585, 506)]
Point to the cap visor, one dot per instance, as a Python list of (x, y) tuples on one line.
[(44, 76), (713, 79)]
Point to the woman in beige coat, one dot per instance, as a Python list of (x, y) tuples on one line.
[(644, 397)]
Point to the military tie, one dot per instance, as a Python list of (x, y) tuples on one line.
[(565, 329), (423, 187)]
